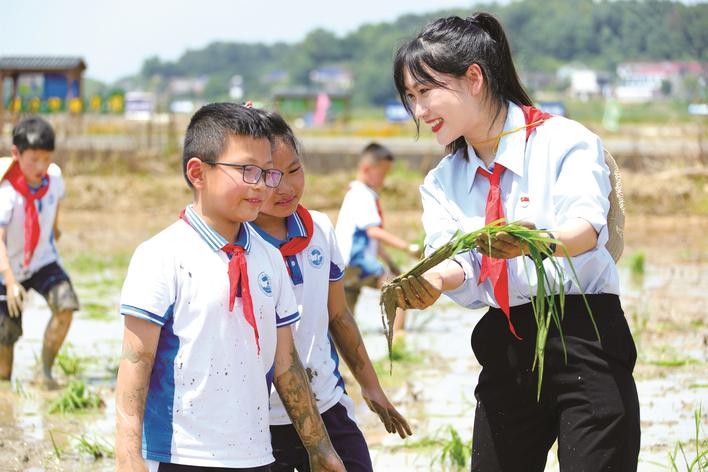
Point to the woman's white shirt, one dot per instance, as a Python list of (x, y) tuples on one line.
[(556, 177)]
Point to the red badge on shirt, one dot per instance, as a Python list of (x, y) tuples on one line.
[(524, 202)]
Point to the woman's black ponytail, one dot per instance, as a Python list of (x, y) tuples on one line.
[(449, 46)]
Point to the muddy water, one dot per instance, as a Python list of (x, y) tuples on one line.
[(666, 308)]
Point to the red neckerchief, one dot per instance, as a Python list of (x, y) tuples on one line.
[(496, 269), (238, 277), (297, 244), (15, 176)]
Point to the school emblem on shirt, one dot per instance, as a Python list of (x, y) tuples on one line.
[(264, 284), (524, 201), (50, 199), (315, 257)]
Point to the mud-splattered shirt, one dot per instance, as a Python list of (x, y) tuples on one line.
[(311, 272), (207, 403)]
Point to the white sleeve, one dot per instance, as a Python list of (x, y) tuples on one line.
[(366, 213), (583, 186), (149, 290), (336, 262), (286, 308), (57, 179), (7, 203), (440, 226)]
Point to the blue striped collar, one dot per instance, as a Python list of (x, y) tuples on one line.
[(211, 237), (295, 229)]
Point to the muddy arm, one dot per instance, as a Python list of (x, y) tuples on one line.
[(293, 387), (350, 345), (140, 339)]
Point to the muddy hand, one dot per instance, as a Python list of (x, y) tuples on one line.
[(393, 421), (419, 291), (503, 245), (326, 461), (16, 295)]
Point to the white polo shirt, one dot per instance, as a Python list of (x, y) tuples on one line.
[(359, 212), (558, 176), (12, 218), (207, 404), (312, 270)]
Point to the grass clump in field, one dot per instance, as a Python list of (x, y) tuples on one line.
[(69, 363), (693, 457), (97, 311), (637, 263), (75, 398), (95, 447)]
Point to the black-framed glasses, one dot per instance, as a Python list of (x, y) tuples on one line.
[(252, 174)]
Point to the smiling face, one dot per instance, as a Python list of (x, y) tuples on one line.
[(452, 110), (34, 164), (224, 198), (283, 200)]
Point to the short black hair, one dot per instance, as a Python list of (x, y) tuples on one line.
[(377, 152), (33, 133), (211, 126), (279, 128)]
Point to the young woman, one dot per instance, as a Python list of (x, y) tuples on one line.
[(509, 160), (308, 244)]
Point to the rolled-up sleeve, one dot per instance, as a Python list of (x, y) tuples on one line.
[(440, 226), (583, 186)]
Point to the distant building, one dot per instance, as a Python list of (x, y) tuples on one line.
[(332, 78), (41, 84), (139, 105), (236, 87), (583, 83), (644, 81), (191, 86), (302, 103)]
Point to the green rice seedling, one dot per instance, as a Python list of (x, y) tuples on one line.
[(20, 389), (57, 451), (455, 453), (637, 264), (95, 447), (75, 398), (699, 450), (543, 302), (401, 353), (69, 363), (97, 312)]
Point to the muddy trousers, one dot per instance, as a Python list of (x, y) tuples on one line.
[(588, 403)]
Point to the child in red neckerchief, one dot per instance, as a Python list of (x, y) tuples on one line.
[(30, 192), (208, 309), (309, 249)]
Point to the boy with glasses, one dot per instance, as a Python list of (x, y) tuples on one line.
[(208, 308)]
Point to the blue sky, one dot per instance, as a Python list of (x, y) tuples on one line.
[(115, 37)]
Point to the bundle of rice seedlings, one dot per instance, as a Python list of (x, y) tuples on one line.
[(544, 307)]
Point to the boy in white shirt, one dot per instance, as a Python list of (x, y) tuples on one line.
[(209, 307), (360, 229), (31, 189)]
